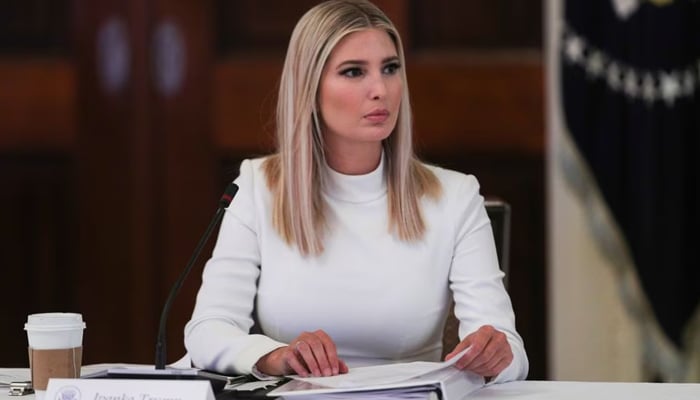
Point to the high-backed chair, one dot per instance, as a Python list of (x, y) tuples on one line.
[(499, 214)]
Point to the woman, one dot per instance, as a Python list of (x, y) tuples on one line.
[(347, 246)]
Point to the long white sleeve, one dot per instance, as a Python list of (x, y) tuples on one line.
[(477, 281)]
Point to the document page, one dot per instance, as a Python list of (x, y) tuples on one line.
[(405, 394), (380, 374)]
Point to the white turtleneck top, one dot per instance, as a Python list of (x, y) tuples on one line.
[(379, 298)]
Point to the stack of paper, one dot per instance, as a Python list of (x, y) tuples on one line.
[(415, 380), (421, 394)]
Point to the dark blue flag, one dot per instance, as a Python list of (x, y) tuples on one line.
[(630, 82)]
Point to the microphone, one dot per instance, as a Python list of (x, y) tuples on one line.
[(217, 381), (224, 201)]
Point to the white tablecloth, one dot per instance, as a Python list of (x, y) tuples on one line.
[(525, 390)]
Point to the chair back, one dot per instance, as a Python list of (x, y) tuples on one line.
[(499, 214)]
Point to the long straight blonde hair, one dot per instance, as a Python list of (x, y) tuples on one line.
[(294, 173)]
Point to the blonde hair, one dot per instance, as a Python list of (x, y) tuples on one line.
[(294, 173)]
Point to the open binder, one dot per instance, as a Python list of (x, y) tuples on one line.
[(403, 380)]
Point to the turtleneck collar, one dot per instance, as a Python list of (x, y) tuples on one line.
[(356, 188)]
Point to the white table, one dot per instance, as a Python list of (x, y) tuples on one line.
[(525, 390), (546, 390), (22, 374)]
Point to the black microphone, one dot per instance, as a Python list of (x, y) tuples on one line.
[(217, 381), (160, 342)]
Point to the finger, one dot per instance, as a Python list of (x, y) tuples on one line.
[(486, 367), (489, 352), (342, 367), (320, 358), (330, 353), (306, 353), (493, 368), (458, 349), (293, 360), (476, 342), (498, 363)]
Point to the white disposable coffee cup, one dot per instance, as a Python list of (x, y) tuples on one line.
[(49, 331), (55, 347)]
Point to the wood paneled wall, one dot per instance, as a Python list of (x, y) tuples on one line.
[(38, 236), (118, 178)]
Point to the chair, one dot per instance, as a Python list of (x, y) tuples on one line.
[(499, 214)]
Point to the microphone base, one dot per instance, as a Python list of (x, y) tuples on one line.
[(217, 381)]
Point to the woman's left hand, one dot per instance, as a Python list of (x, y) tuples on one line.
[(489, 352)]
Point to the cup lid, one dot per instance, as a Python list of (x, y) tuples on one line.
[(54, 321)]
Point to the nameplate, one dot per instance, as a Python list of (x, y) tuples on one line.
[(128, 389)]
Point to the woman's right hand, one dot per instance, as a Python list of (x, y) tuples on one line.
[(310, 354)]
